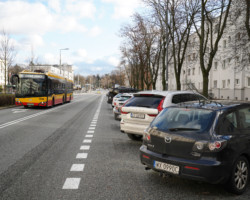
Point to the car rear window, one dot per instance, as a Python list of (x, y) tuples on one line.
[(184, 119), (145, 101)]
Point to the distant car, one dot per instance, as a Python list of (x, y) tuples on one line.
[(140, 111), (204, 141), (114, 91), (119, 103), (115, 98)]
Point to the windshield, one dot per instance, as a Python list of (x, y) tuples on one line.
[(31, 85), (184, 119)]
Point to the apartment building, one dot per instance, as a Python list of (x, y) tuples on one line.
[(229, 77)]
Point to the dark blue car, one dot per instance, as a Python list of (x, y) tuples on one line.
[(201, 141)]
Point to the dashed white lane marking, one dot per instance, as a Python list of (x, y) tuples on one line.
[(81, 155), (77, 168), (90, 131), (87, 141), (85, 147), (89, 136), (72, 183)]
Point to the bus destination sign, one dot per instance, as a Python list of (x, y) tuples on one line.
[(35, 76)]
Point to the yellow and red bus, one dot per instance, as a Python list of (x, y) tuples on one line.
[(42, 89)]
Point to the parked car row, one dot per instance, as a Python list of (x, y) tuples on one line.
[(186, 135)]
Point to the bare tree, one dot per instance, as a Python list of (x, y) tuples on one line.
[(7, 55), (182, 14), (209, 24), (160, 14)]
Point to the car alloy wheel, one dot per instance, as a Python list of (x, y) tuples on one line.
[(239, 177)]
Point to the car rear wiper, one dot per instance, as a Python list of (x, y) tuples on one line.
[(184, 129)]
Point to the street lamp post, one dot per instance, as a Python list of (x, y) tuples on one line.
[(60, 61)]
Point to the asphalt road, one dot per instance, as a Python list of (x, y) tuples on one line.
[(76, 151)]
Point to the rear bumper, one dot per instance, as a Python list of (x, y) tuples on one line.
[(133, 128), (42, 104), (206, 170)]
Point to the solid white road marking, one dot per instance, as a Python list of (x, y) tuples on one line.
[(81, 155), (34, 115), (85, 147), (87, 141), (89, 136), (77, 168), (71, 183)]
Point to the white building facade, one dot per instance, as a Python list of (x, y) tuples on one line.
[(229, 76), (62, 70)]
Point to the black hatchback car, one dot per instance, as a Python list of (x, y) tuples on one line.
[(202, 141)]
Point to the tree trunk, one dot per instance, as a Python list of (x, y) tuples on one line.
[(178, 82), (205, 83), (164, 66), (247, 18)]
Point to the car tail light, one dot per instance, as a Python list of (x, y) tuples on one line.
[(146, 135), (209, 146), (160, 106), (123, 106)]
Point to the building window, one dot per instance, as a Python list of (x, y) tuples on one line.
[(229, 39), (248, 81), (189, 72), (189, 57), (193, 56), (215, 84), (215, 65), (223, 83), (224, 64), (193, 71), (237, 81), (228, 82), (224, 44)]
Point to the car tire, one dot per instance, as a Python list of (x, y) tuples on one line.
[(135, 137), (239, 179), (116, 116)]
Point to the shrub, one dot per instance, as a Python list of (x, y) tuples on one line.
[(7, 99)]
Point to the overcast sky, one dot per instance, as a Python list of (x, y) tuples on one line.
[(89, 28)]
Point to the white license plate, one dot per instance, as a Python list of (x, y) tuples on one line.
[(167, 167), (137, 115)]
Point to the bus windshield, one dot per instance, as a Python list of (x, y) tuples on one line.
[(31, 85)]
